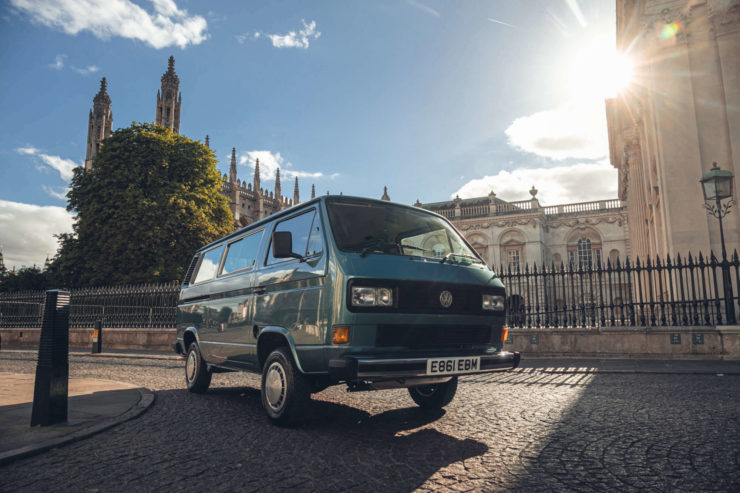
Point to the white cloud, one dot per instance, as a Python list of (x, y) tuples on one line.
[(87, 70), (270, 162), (561, 185), (57, 195), (241, 38), (26, 232), (27, 150), (573, 130), (166, 25), (294, 39), (423, 8), (58, 62), (65, 167)]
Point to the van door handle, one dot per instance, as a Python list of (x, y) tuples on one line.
[(260, 290)]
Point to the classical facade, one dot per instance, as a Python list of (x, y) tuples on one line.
[(680, 115), (509, 235), (248, 202)]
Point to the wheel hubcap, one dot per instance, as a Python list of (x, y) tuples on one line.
[(190, 366), (275, 386)]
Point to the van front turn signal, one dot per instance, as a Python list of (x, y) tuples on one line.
[(341, 335)]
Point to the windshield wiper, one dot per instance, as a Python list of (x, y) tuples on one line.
[(412, 247), (464, 255)]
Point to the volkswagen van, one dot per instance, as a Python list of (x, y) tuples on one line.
[(342, 290)]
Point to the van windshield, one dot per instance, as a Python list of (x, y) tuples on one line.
[(370, 227)]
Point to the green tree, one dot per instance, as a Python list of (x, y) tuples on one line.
[(150, 200), (24, 279)]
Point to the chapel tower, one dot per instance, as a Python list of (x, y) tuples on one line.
[(100, 124), (169, 99)]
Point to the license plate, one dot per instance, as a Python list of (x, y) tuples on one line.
[(452, 366)]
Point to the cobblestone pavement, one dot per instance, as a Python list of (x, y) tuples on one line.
[(529, 430)]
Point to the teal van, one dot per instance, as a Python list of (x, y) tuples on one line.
[(342, 290)]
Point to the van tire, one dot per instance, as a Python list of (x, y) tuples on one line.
[(435, 396), (285, 390), (197, 376)]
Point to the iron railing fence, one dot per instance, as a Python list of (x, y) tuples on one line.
[(682, 292), (144, 306), (690, 291)]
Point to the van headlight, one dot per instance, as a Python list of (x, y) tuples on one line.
[(371, 296), (493, 302)]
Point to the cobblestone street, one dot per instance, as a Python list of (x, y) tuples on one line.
[(532, 429)]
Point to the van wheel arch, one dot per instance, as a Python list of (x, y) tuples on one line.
[(267, 343), (188, 337)]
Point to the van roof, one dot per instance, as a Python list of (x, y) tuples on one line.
[(290, 210)]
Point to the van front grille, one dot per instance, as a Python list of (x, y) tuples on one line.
[(429, 336)]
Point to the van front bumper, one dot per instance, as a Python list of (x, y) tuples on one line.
[(351, 368)]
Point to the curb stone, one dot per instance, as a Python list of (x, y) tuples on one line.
[(146, 399)]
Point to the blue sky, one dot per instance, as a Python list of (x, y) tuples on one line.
[(431, 98)]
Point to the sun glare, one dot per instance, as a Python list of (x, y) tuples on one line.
[(599, 72)]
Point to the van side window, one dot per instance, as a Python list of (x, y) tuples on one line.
[(300, 229), (315, 239), (241, 253), (209, 265)]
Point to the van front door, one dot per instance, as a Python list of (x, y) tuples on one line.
[(289, 291)]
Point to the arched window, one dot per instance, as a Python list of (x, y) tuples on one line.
[(512, 250), (584, 249)]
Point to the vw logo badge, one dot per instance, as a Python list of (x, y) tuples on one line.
[(445, 298)]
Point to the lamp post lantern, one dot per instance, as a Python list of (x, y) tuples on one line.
[(717, 186)]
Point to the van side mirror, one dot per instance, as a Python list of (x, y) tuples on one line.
[(282, 245)]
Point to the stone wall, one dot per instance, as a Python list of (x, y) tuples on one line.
[(132, 339)]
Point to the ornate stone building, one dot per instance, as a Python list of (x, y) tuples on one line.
[(249, 202), (509, 235), (680, 114)]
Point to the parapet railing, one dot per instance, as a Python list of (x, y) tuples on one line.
[(527, 206)]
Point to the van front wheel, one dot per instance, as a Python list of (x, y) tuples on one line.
[(435, 396), (285, 390)]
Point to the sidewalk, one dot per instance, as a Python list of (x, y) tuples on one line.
[(94, 405)]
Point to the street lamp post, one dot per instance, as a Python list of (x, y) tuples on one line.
[(717, 186)]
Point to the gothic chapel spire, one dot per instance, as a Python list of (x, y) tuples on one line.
[(100, 123), (169, 99)]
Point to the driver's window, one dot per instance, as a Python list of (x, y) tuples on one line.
[(300, 230)]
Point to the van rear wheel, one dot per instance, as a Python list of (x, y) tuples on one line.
[(434, 396), (285, 390), (197, 375)]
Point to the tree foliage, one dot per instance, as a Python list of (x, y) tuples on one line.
[(24, 279), (150, 200)]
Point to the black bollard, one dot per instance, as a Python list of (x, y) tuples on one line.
[(97, 338), (52, 369)]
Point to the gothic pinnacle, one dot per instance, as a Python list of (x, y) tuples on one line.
[(102, 95), (296, 196), (171, 64), (232, 170), (257, 174)]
